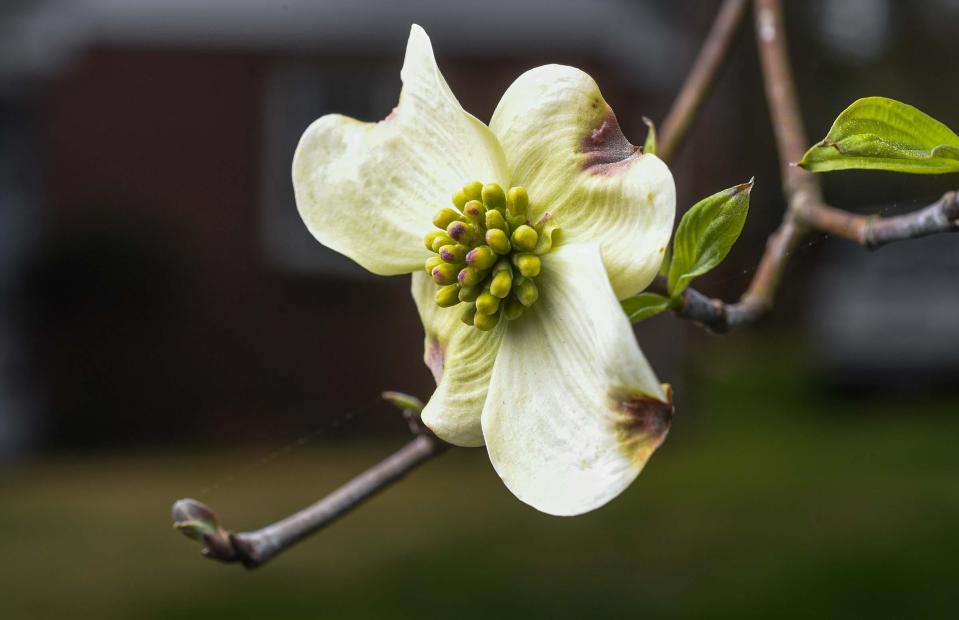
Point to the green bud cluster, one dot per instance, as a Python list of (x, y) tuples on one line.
[(487, 253)]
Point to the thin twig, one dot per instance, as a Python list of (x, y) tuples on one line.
[(805, 210), (701, 77), (872, 231), (253, 549)]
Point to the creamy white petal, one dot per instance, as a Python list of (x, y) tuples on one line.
[(574, 410), (562, 142), (370, 190), (461, 360)]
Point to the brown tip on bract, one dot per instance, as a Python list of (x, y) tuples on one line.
[(606, 148), (668, 389), (643, 421)]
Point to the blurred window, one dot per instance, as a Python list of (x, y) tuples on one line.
[(296, 94)]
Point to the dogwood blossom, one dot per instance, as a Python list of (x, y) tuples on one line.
[(541, 222)]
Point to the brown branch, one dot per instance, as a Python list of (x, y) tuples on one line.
[(805, 210), (872, 231), (701, 77), (869, 232), (253, 549)]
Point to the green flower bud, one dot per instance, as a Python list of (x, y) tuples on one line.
[(517, 201), (431, 237), (493, 196), (528, 264), (453, 253), (501, 284), (440, 241), (448, 296), (474, 210), (444, 273), (482, 257), (446, 216), (497, 241), (469, 293), (474, 191), (513, 309), (487, 303), (468, 314), (515, 221), (488, 253), (524, 238), (495, 219), (470, 276), (460, 199), (485, 322), (463, 233), (527, 293)]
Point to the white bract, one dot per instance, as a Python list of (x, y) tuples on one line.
[(562, 397)]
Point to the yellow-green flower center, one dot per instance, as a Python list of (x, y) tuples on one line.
[(488, 253)]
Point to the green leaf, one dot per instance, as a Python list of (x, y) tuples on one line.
[(641, 307), (403, 401), (667, 261), (876, 133), (650, 145), (706, 234)]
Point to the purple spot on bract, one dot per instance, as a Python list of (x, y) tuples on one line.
[(435, 357), (393, 114)]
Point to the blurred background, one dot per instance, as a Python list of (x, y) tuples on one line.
[(169, 328)]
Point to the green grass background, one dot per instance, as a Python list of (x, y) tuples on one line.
[(769, 499)]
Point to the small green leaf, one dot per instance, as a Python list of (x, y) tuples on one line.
[(876, 133), (641, 307), (403, 401), (706, 234), (667, 261), (650, 145)]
